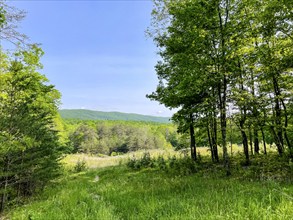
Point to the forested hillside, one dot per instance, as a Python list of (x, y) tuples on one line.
[(99, 115)]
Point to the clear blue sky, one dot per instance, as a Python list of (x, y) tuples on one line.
[(96, 52)]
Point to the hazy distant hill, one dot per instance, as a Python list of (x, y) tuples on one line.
[(98, 115)]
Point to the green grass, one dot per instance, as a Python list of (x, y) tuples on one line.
[(121, 193), (93, 161)]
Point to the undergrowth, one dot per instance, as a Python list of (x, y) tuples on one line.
[(262, 167)]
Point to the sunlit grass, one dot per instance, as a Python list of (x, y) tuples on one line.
[(95, 161), (107, 191), (121, 193)]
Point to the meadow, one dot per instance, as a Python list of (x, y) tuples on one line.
[(115, 191)]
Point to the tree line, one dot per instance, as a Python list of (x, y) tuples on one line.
[(118, 137), (29, 142), (227, 61)]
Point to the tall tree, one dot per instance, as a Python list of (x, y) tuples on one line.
[(30, 147), (194, 49), (276, 64)]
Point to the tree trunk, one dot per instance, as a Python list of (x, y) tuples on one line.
[(231, 141), (244, 139), (278, 118), (255, 115), (264, 141), (223, 120), (210, 142), (192, 139), (214, 132), (256, 141), (285, 128), (250, 139), (222, 86)]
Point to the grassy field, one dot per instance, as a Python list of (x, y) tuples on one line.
[(117, 192), (93, 161)]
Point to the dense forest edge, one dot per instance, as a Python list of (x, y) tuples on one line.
[(227, 66), (227, 61)]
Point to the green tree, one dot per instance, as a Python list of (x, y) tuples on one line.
[(29, 144), (275, 52), (195, 47), (84, 140), (227, 53)]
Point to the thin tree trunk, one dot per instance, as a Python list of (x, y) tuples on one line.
[(192, 139), (250, 139), (256, 141), (231, 141), (278, 118), (244, 138), (264, 141), (210, 143), (285, 128), (214, 132), (255, 115), (223, 120), (222, 86)]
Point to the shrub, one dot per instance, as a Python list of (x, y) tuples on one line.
[(146, 160), (179, 166), (161, 163), (80, 166), (131, 163)]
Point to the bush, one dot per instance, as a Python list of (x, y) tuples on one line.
[(179, 166), (114, 153), (131, 163), (182, 166), (161, 163), (144, 162), (80, 166)]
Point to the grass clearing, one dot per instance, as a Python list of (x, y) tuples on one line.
[(121, 193), (93, 161)]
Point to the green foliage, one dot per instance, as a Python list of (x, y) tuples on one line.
[(29, 144), (227, 67), (113, 154), (144, 162), (2, 16), (106, 137), (176, 165), (80, 166), (178, 141)]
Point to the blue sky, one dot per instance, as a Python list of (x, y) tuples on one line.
[(96, 52)]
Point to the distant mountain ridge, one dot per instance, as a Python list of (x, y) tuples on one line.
[(84, 114)]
